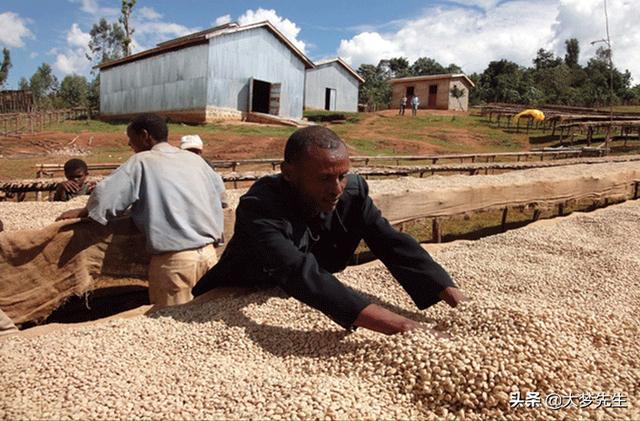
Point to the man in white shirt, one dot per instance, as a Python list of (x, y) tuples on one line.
[(174, 198), (415, 103)]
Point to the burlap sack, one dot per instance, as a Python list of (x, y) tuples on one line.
[(40, 269)]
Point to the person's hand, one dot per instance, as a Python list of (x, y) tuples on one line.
[(90, 186), (379, 319), (413, 325), (70, 186), (73, 214), (452, 295)]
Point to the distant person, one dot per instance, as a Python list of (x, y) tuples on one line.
[(295, 229), (403, 104), (193, 143), (174, 198), (76, 172), (415, 103)]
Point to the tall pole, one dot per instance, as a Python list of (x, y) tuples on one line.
[(606, 20)]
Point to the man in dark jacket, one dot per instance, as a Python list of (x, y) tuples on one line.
[(295, 229)]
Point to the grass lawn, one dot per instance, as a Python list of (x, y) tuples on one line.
[(380, 133)]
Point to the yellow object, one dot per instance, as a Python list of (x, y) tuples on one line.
[(535, 114)]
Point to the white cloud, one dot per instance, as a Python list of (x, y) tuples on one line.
[(148, 33), (33, 54), (72, 62), (368, 47), (73, 59), (481, 4), (584, 20), (288, 28), (221, 20), (77, 38), (149, 13), (13, 30), (93, 8), (473, 36)]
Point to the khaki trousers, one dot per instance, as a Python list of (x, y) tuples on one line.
[(6, 325), (172, 275)]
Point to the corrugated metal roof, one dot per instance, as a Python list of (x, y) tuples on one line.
[(344, 64), (204, 36), (433, 77)]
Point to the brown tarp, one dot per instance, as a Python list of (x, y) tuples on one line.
[(40, 269)]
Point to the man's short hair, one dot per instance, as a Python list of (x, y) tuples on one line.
[(155, 125), (75, 164), (303, 139)]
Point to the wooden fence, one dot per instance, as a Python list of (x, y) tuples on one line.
[(18, 188), (17, 124), (45, 170)]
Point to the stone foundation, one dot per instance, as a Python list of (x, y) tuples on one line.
[(196, 115), (214, 114)]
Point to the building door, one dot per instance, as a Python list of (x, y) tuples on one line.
[(274, 99), (330, 99), (433, 96), (409, 92), (259, 96)]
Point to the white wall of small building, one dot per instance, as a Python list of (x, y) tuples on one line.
[(462, 103), (333, 76), (175, 80), (254, 53)]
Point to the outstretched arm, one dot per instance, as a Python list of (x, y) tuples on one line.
[(74, 213), (379, 319), (423, 278)]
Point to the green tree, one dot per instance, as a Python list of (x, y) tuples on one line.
[(425, 66), (546, 59), (573, 52), (127, 8), (453, 68), (398, 67), (74, 91), (554, 83), (44, 86), (5, 66), (375, 91), (107, 42), (457, 93), (504, 81), (93, 96), (23, 85)]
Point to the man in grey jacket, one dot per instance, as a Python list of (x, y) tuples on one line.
[(174, 199)]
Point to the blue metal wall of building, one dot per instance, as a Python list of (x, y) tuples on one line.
[(175, 80), (255, 53), (333, 76)]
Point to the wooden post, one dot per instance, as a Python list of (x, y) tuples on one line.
[(536, 214), (505, 211), (435, 228)]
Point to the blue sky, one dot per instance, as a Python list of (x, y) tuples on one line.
[(468, 33)]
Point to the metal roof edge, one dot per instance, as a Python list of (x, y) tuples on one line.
[(438, 76), (344, 64)]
